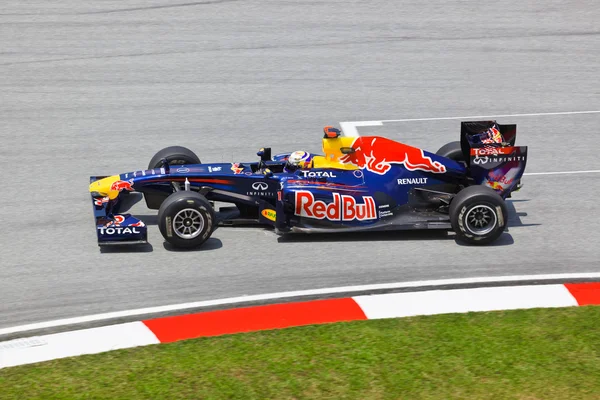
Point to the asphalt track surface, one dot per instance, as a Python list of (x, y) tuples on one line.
[(98, 87)]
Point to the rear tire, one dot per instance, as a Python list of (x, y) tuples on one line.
[(478, 215), (452, 151), (186, 219), (175, 155)]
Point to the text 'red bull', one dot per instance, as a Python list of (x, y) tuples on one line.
[(377, 154), (343, 208)]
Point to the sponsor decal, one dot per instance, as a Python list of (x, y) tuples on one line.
[(496, 177), (269, 214), (99, 201), (214, 169), (169, 224), (384, 206), (235, 167), (357, 173), (385, 213), (260, 186), (183, 170), (122, 185), (318, 174), (497, 159), (493, 135), (260, 190), (116, 221), (377, 154), (412, 181), (491, 151), (489, 154), (139, 223), (118, 230), (343, 208), (495, 185)]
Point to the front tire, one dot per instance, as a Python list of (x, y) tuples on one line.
[(186, 219), (478, 215), (175, 155)]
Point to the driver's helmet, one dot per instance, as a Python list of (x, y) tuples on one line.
[(298, 160)]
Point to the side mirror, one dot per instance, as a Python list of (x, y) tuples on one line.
[(331, 133), (347, 150), (264, 154)]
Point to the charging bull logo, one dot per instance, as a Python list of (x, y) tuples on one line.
[(116, 221), (377, 154), (343, 208), (122, 185)]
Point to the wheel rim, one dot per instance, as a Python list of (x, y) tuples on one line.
[(188, 223), (481, 220)]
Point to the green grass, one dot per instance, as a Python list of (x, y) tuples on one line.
[(524, 354)]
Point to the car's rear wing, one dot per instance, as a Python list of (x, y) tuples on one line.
[(476, 134), (491, 155), (112, 226)]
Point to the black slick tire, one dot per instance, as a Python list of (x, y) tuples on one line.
[(175, 155), (452, 151), (186, 219), (478, 215)]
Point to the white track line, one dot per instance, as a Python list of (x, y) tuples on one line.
[(594, 171), (349, 127), (298, 293), (490, 116)]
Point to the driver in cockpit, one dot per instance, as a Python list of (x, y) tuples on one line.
[(298, 160)]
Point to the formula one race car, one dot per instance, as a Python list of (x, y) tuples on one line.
[(368, 183)]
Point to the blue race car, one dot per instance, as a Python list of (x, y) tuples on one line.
[(367, 183)]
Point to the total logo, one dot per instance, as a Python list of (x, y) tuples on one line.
[(412, 181), (491, 151), (318, 174), (490, 154), (119, 230), (343, 208)]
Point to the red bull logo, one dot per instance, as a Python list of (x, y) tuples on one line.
[(493, 136), (122, 185), (235, 167), (116, 221), (343, 208), (101, 200), (377, 154)]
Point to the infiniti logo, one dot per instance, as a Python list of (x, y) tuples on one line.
[(260, 186)]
